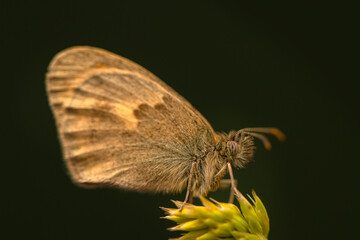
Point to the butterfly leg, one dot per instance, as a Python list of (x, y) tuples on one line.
[(233, 181), (189, 190), (191, 199), (225, 183)]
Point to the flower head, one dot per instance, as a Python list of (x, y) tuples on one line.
[(215, 220)]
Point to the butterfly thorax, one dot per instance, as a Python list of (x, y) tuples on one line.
[(211, 162)]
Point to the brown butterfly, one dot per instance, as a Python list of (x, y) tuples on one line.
[(121, 126)]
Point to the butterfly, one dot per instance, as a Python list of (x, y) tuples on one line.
[(121, 126)]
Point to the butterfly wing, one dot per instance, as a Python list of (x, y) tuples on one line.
[(120, 125)]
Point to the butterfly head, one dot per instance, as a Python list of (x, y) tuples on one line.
[(240, 148)]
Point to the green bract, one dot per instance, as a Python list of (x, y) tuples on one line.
[(215, 220)]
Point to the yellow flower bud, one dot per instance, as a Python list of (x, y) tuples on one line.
[(215, 220)]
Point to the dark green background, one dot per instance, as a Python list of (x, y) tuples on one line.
[(240, 63)]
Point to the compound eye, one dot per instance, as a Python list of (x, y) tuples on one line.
[(233, 147)]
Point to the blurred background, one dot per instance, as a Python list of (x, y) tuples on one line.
[(240, 63)]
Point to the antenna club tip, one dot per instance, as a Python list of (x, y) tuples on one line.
[(267, 146), (278, 134)]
